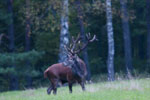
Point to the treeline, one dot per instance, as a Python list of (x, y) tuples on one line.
[(31, 35)]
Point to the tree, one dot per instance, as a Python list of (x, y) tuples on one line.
[(4, 16), (27, 40), (64, 34), (110, 60), (148, 31), (82, 32), (126, 36), (13, 78)]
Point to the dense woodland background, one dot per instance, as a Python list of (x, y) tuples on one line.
[(30, 38)]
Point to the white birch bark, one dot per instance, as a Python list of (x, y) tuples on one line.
[(110, 60), (64, 34)]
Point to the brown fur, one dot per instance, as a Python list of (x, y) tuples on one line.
[(60, 73)]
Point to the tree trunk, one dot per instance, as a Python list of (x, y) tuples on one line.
[(13, 78), (82, 32), (127, 41), (27, 40), (110, 60), (64, 34), (11, 27), (148, 32)]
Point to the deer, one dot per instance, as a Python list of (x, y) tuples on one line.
[(72, 70)]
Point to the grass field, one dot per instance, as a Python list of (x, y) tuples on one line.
[(118, 90)]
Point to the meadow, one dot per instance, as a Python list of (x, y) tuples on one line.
[(137, 89)]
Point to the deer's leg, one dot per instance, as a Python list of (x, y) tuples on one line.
[(70, 81), (49, 89), (55, 91), (81, 82), (70, 87), (83, 86), (55, 83)]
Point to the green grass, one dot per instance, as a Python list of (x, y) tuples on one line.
[(118, 90)]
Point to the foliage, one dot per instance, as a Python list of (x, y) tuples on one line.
[(9, 59), (4, 17), (49, 43), (20, 63), (19, 60)]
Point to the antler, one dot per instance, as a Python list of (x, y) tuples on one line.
[(72, 50), (73, 44), (88, 37), (75, 41)]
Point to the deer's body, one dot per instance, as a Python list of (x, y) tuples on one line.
[(61, 73), (58, 71)]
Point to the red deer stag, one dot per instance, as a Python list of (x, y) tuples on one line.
[(72, 70)]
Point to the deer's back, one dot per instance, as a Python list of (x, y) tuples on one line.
[(58, 71)]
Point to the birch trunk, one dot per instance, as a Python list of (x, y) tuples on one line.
[(64, 34), (127, 41), (110, 60)]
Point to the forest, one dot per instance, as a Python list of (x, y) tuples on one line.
[(33, 34)]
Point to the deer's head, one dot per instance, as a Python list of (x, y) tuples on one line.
[(75, 48)]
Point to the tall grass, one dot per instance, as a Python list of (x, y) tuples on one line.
[(138, 89)]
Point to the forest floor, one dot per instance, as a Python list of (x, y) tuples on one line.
[(138, 89)]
